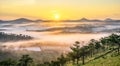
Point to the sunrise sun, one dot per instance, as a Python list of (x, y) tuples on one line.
[(56, 16)]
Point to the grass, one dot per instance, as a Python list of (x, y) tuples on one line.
[(107, 61), (111, 59)]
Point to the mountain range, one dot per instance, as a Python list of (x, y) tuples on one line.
[(25, 20), (94, 20), (20, 20)]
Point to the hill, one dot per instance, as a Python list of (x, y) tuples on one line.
[(20, 21), (111, 59)]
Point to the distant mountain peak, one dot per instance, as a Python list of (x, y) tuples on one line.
[(83, 19), (23, 19), (109, 20)]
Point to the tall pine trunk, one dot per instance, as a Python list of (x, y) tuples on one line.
[(77, 61), (83, 59)]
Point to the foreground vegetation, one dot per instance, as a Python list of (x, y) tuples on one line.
[(100, 52), (13, 37), (109, 60)]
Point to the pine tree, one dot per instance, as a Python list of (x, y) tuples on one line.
[(76, 51)]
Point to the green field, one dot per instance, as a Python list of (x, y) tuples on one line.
[(110, 59)]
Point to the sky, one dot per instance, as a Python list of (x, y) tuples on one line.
[(59, 9)]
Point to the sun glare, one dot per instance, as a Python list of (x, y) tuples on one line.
[(56, 16)]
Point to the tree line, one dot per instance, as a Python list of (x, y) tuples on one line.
[(25, 60), (13, 37), (78, 55)]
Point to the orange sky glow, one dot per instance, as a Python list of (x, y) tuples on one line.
[(59, 9)]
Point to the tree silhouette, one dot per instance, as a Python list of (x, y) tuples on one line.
[(114, 39), (84, 52), (91, 48), (25, 60), (55, 63), (76, 51), (8, 62), (71, 56), (13, 37), (62, 60)]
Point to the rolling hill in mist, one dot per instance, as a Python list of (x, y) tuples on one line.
[(25, 20)]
